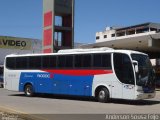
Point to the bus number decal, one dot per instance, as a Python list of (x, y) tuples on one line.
[(43, 75)]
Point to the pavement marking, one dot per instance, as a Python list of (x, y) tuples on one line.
[(20, 113)]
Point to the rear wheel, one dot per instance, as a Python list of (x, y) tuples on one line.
[(103, 95), (29, 90)]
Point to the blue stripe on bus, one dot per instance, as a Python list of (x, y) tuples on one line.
[(57, 84)]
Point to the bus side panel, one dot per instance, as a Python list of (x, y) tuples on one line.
[(73, 85), (24, 79), (103, 80), (57, 83), (41, 82)]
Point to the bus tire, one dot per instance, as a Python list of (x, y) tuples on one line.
[(103, 95), (29, 90)]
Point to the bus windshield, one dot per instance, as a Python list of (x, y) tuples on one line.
[(145, 76)]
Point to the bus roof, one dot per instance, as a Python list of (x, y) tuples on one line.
[(80, 51)]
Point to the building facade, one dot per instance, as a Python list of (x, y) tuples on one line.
[(141, 37), (17, 45)]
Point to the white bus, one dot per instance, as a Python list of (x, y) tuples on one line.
[(102, 73)]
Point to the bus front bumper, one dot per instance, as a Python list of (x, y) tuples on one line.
[(140, 96)]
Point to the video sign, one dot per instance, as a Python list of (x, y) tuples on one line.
[(15, 43)]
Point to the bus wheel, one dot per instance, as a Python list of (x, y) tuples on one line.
[(28, 90), (103, 95)]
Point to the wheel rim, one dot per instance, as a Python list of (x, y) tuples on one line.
[(28, 91), (102, 95)]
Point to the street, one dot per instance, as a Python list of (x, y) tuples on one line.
[(53, 104)]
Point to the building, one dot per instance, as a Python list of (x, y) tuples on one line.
[(58, 25), (142, 37), (17, 45)]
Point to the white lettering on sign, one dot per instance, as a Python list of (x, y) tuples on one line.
[(43, 75)]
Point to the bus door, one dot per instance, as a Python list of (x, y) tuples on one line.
[(124, 72)]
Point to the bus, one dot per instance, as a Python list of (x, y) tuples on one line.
[(1, 76), (102, 73)]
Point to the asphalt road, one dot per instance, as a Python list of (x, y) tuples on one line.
[(50, 104)]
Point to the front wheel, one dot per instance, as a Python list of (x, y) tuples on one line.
[(29, 90), (103, 95)]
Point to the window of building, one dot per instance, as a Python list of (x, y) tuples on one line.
[(97, 37), (130, 32), (113, 35), (105, 36), (58, 20), (142, 30), (153, 29), (119, 34)]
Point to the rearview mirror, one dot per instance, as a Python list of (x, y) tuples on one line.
[(135, 63)]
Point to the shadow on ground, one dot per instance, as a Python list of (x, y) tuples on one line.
[(91, 99)]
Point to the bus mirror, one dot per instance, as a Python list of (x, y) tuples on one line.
[(135, 63)]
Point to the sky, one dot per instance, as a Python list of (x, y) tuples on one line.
[(23, 18)]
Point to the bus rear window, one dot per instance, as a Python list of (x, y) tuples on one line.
[(11, 63)]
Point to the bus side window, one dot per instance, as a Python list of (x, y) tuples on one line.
[(11, 63), (21, 63), (102, 61), (45, 62), (35, 62), (87, 61), (61, 61), (69, 61), (78, 61), (83, 61), (97, 61), (106, 61), (52, 62)]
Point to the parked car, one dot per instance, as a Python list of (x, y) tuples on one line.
[(1, 81)]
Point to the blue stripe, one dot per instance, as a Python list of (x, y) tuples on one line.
[(58, 84)]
